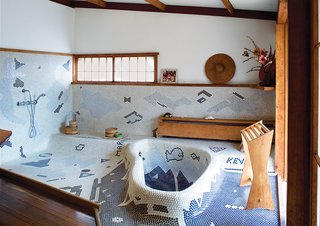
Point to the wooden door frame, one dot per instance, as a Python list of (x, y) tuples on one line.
[(314, 45), (299, 199)]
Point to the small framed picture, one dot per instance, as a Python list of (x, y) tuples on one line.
[(168, 75)]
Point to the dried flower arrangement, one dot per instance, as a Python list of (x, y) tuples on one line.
[(267, 63)]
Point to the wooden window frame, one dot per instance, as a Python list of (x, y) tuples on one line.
[(113, 56)]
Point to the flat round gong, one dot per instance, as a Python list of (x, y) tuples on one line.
[(220, 68)]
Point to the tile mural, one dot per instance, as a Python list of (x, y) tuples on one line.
[(100, 107), (34, 74)]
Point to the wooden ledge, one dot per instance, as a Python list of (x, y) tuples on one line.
[(253, 86)]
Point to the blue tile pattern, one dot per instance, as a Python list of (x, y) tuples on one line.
[(40, 163), (18, 64), (103, 171)]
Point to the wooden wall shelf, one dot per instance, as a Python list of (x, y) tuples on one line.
[(255, 86), (216, 129)]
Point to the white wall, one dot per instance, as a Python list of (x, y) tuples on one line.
[(184, 42), (36, 25)]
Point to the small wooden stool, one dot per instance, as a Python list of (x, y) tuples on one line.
[(257, 140)]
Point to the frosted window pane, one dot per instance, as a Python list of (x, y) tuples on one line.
[(102, 76), (141, 76), (126, 69), (109, 76), (103, 64), (117, 76), (95, 64), (150, 77), (125, 64), (125, 76), (133, 63), (141, 64), (87, 64), (133, 76), (109, 64), (150, 63), (117, 63), (80, 64), (87, 76), (80, 76), (95, 76)]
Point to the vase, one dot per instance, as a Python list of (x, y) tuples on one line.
[(267, 75)]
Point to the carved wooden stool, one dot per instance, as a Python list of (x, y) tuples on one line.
[(257, 140)]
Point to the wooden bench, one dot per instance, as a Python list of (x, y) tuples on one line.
[(216, 129)]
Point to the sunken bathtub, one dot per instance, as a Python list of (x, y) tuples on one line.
[(168, 179)]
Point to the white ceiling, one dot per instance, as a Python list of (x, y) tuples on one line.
[(257, 5)]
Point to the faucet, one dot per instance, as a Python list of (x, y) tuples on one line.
[(31, 106), (41, 95)]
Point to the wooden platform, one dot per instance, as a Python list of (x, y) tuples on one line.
[(24, 202), (21, 206), (216, 129)]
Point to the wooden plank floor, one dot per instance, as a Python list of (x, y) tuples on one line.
[(22, 206)]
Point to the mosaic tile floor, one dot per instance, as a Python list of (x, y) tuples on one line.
[(92, 167)]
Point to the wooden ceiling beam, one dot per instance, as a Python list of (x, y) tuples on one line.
[(157, 4), (228, 6), (282, 11), (204, 11), (100, 3), (63, 2)]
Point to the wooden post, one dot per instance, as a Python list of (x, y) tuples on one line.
[(281, 104)]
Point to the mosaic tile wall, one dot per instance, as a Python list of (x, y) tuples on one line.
[(135, 109), (49, 75)]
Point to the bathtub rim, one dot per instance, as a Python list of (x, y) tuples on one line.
[(137, 166)]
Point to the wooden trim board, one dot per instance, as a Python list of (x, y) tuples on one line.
[(281, 93), (314, 187), (34, 52)]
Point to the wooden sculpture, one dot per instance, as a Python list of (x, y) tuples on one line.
[(257, 140)]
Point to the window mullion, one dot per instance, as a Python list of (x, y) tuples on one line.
[(113, 69)]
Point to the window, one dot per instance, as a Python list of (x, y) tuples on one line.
[(133, 67)]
